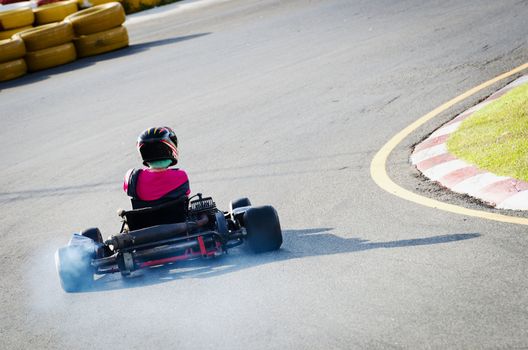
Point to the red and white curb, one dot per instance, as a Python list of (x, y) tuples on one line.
[(435, 162), (167, 10)]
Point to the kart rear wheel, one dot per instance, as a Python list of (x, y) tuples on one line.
[(74, 268), (238, 203), (94, 234), (263, 229)]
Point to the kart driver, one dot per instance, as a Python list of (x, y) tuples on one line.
[(158, 183)]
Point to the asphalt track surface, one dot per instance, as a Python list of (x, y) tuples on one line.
[(287, 103)]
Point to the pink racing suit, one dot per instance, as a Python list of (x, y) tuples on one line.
[(147, 187)]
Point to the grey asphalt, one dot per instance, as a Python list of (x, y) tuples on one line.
[(285, 102)]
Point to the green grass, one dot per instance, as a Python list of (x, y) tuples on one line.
[(495, 138)]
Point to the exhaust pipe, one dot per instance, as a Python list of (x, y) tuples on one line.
[(154, 233), (147, 254)]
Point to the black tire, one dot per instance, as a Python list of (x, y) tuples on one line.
[(263, 229), (74, 268), (93, 233), (238, 203), (221, 224)]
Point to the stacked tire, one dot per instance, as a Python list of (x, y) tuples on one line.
[(54, 12), (12, 64), (14, 21), (48, 46), (99, 29)]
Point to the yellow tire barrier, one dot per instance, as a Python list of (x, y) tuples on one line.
[(12, 69), (55, 12), (11, 50), (97, 19), (16, 18), (7, 34), (95, 44), (46, 36), (51, 57)]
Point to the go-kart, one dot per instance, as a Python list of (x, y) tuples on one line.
[(181, 229)]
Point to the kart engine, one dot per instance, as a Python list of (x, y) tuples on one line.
[(201, 206)]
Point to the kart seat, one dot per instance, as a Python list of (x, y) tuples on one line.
[(169, 212)]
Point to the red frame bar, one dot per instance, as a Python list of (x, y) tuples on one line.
[(188, 255), (202, 246)]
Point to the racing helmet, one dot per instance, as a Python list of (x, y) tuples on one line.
[(158, 144)]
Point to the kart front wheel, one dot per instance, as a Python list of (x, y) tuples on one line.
[(238, 203), (263, 229), (74, 268)]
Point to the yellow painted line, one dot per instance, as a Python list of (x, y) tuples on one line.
[(379, 162)]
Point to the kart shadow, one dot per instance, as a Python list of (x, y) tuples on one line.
[(297, 244)]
